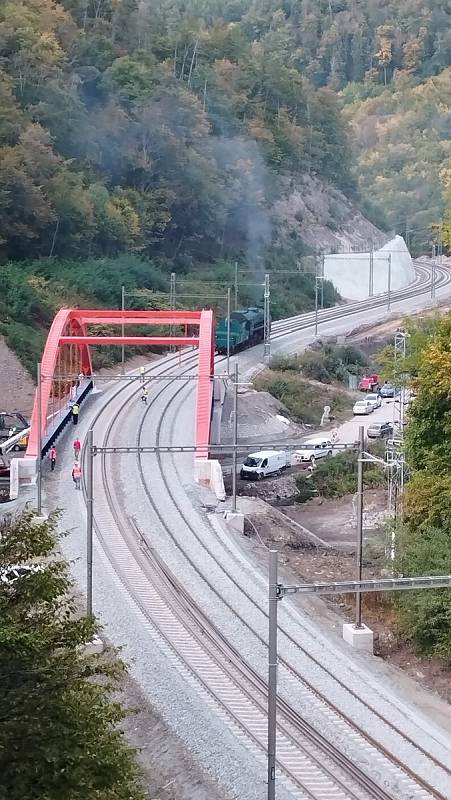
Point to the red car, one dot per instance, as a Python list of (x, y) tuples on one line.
[(368, 383)]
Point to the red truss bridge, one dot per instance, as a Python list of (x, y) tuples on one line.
[(66, 366)]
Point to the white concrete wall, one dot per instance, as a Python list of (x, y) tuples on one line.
[(349, 272)]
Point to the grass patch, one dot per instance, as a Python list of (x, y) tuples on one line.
[(304, 400)]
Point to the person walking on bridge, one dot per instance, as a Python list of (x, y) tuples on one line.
[(52, 457), (77, 448), (75, 412), (76, 474)]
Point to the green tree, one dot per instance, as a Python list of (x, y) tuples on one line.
[(60, 736)]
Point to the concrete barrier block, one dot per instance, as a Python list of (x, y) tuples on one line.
[(208, 472), (202, 471), (235, 521), (217, 480), (94, 647), (360, 638), (14, 479)]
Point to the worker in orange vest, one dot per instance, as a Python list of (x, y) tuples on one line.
[(76, 474)]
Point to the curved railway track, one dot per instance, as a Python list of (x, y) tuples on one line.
[(421, 285), (313, 766)]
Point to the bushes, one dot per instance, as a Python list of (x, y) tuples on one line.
[(329, 362), (337, 476), (304, 401), (425, 617), (324, 362)]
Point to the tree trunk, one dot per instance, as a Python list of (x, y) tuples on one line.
[(192, 62)]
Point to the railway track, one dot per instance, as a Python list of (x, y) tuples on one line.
[(420, 286), (362, 738), (312, 765)]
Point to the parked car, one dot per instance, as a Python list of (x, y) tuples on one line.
[(21, 444), (266, 462), (379, 430), (368, 383), (387, 390), (363, 407), (311, 450), (375, 399), (11, 421), (4, 468)]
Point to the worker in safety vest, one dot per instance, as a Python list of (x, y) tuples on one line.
[(141, 373), (76, 474), (52, 457), (77, 448), (75, 412)]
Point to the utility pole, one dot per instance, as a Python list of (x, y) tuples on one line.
[(316, 297), (272, 674), (322, 280), (395, 450), (236, 285), (433, 265), (389, 283), (267, 322), (123, 329), (235, 437), (89, 520), (359, 548), (371, 271), (228, 330), (39, 460), (172, 304)]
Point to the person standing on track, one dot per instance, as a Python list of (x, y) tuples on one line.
[(52, 457), (76, 474), (144, 395), (75, 412), (141, 373), (77, 448)]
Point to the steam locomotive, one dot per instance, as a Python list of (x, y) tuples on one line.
[(246, 329)]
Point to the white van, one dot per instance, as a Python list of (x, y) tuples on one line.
[(266, 462), (312, 450)]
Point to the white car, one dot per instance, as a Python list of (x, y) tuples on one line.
[(311, 450), (375, 399), (363, 407)]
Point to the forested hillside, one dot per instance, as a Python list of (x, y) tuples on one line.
[(151, 127), (193, 134)]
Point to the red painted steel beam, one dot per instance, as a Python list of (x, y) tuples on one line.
[(128, 320), (160, 340), (129, 317), (204, 383)]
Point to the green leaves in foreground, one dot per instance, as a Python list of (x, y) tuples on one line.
[(59, 734)]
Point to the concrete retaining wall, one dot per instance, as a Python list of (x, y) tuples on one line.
[(349, 272)]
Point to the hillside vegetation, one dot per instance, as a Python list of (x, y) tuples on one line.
[(152, 128), (190, 135), (423, 544)]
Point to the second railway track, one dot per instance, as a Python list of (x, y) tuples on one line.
[(312, 765)]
